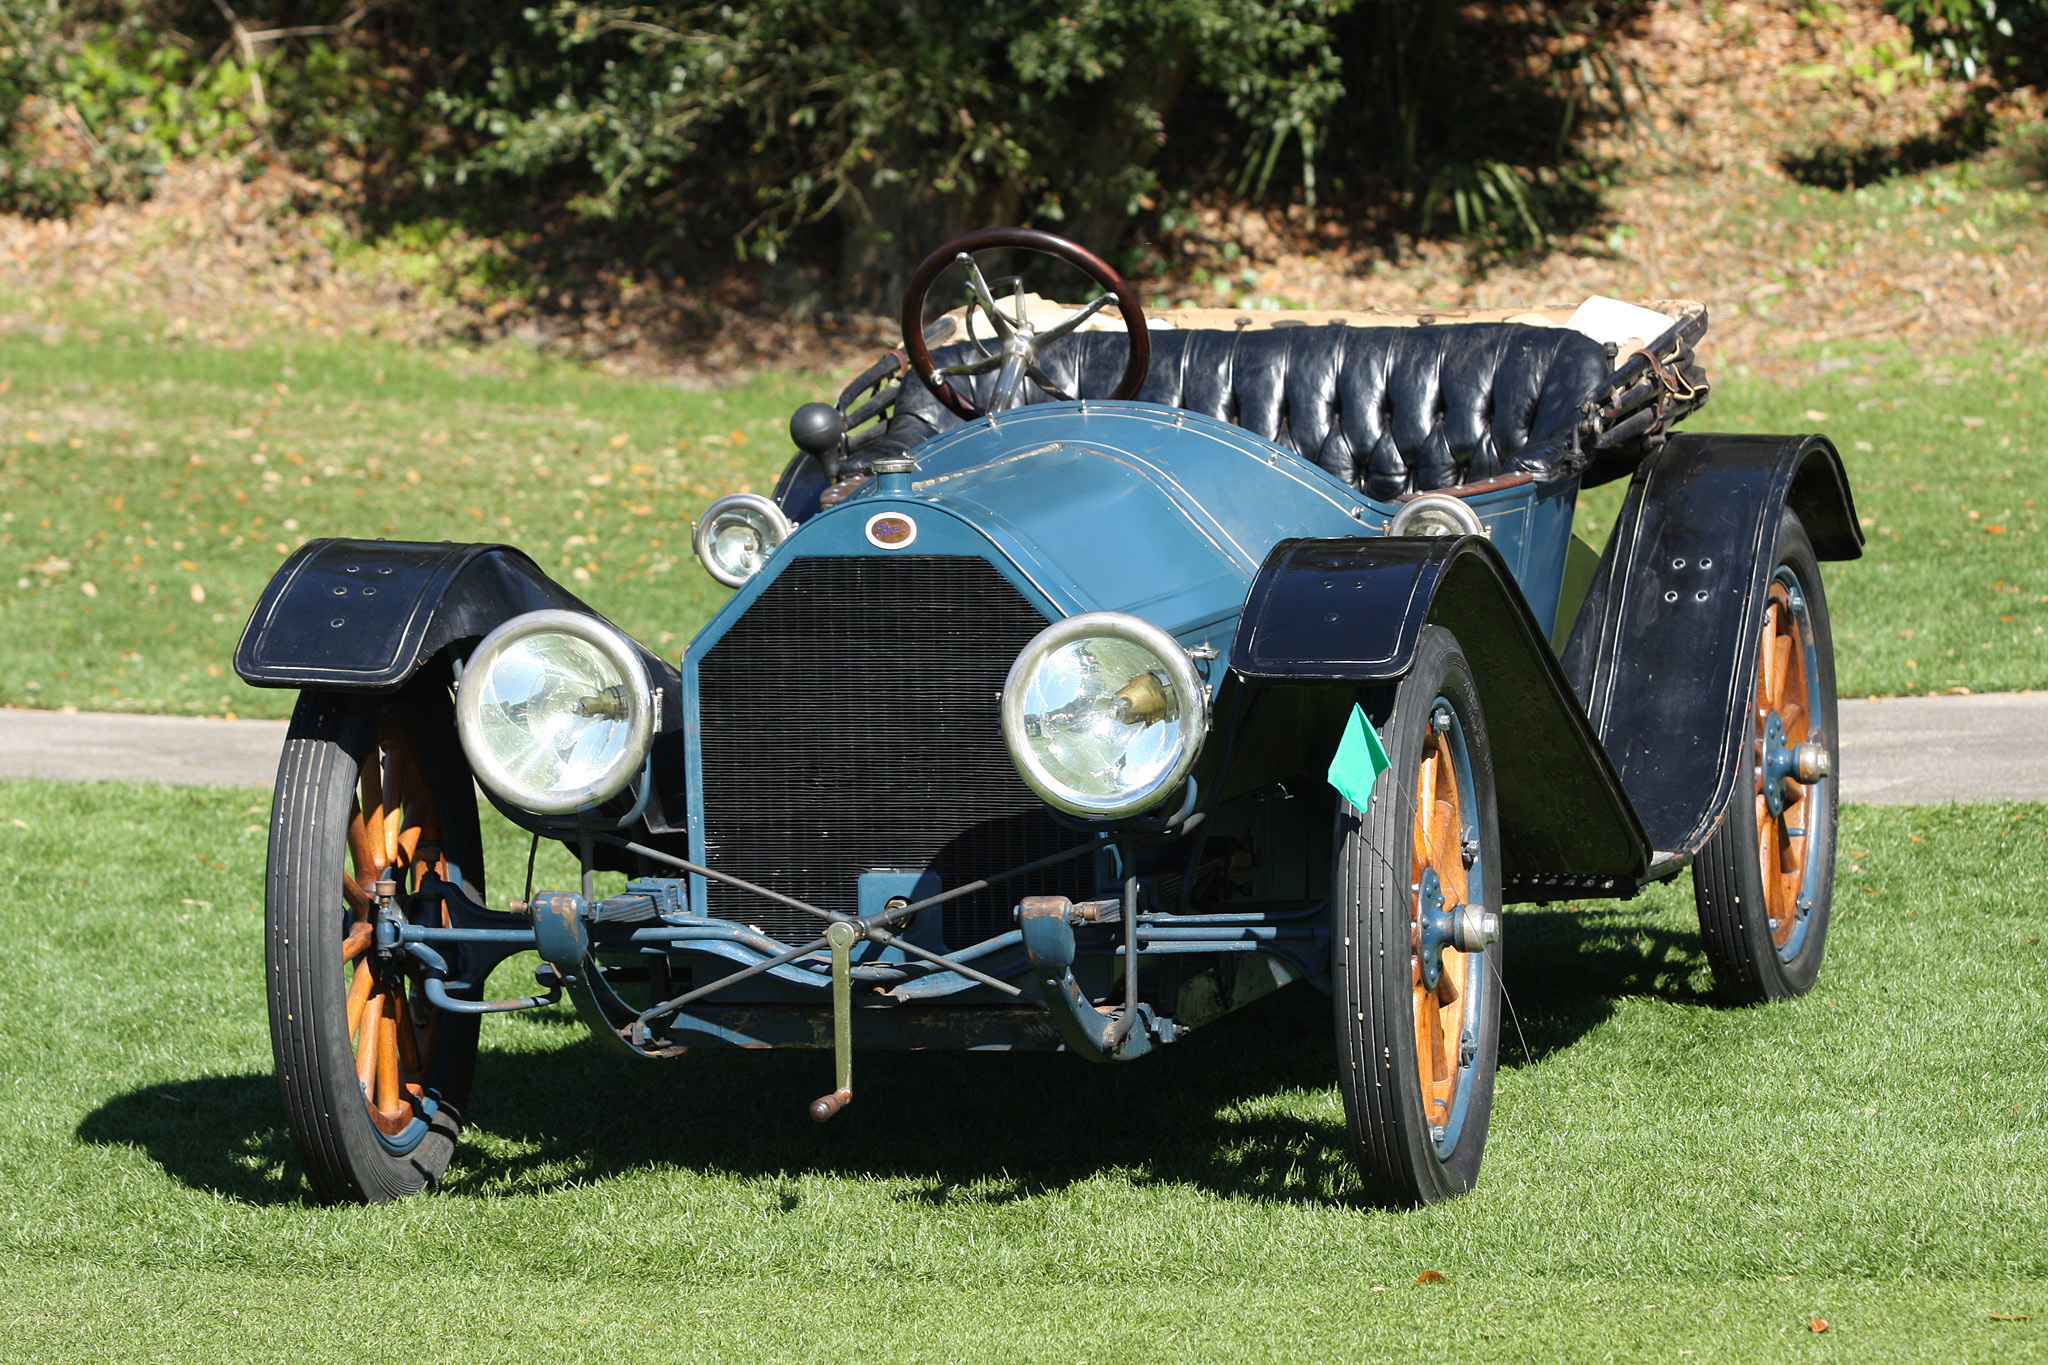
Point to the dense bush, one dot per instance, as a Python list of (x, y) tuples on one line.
[(853, 133), (2002, 39), (897, 121)]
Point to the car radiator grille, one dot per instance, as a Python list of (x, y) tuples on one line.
[(849, 722)]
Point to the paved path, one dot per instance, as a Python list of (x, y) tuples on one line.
[(1915, 750), (182, 751), (1896, 751)]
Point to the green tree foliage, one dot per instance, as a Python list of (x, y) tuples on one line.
[(1997, 38), (863, 131), (900, 120)]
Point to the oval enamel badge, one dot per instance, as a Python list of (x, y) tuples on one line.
[(891, 530)]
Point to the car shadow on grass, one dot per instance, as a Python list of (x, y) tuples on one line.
[(1244, 1109), (1568, 966)]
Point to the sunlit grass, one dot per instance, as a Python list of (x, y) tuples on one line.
[(1948, 463), (1664, 1175), (149, 490)]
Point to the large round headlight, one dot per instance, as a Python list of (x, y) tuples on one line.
[(1104, 714), (1435, 514), (737, 535), (554, 712)]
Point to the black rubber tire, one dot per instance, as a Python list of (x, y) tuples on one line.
[(306, 918), (1727, 877), (1372, 956)]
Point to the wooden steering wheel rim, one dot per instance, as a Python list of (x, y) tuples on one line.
[(1028, 239)]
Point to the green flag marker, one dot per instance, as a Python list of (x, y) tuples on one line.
[(1360, 759)]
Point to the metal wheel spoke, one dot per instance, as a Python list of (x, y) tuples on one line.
[(979, 284), (1036, 373), (982, 366), (1089, 310)]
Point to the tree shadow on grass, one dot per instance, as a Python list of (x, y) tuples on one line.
[(1241, 1109), (1843, 165)]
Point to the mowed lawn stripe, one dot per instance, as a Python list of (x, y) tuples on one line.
[(149, 489), (1664, 1175)]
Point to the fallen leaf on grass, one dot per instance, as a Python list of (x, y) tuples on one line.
[(1817, 1324), (1429, 1277)]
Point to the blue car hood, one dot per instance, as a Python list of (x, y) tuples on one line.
[(1155, 511)]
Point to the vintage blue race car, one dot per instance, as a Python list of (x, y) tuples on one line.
[(1101, 679)]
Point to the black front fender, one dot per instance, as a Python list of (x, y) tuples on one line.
[(363, 615), (1352, 611), (1663, 653)]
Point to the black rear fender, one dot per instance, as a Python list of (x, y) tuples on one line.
[(1663, 652), (1351, 611)]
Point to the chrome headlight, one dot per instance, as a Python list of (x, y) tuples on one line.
[(737, 535), (554, 712), (1436, 514), (1104, 714)]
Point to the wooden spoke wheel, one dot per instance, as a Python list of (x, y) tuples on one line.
[(1418, 1016), (1763, 882), (372, 796)]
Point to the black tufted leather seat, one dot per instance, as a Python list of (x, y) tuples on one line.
[(1390, 410)]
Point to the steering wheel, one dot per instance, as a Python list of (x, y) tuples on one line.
[(1018, 342)]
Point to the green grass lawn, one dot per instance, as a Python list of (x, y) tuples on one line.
[(1950, 478), (1667, 1180), (148, 489)]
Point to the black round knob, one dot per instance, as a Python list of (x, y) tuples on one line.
[(817, 427)]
